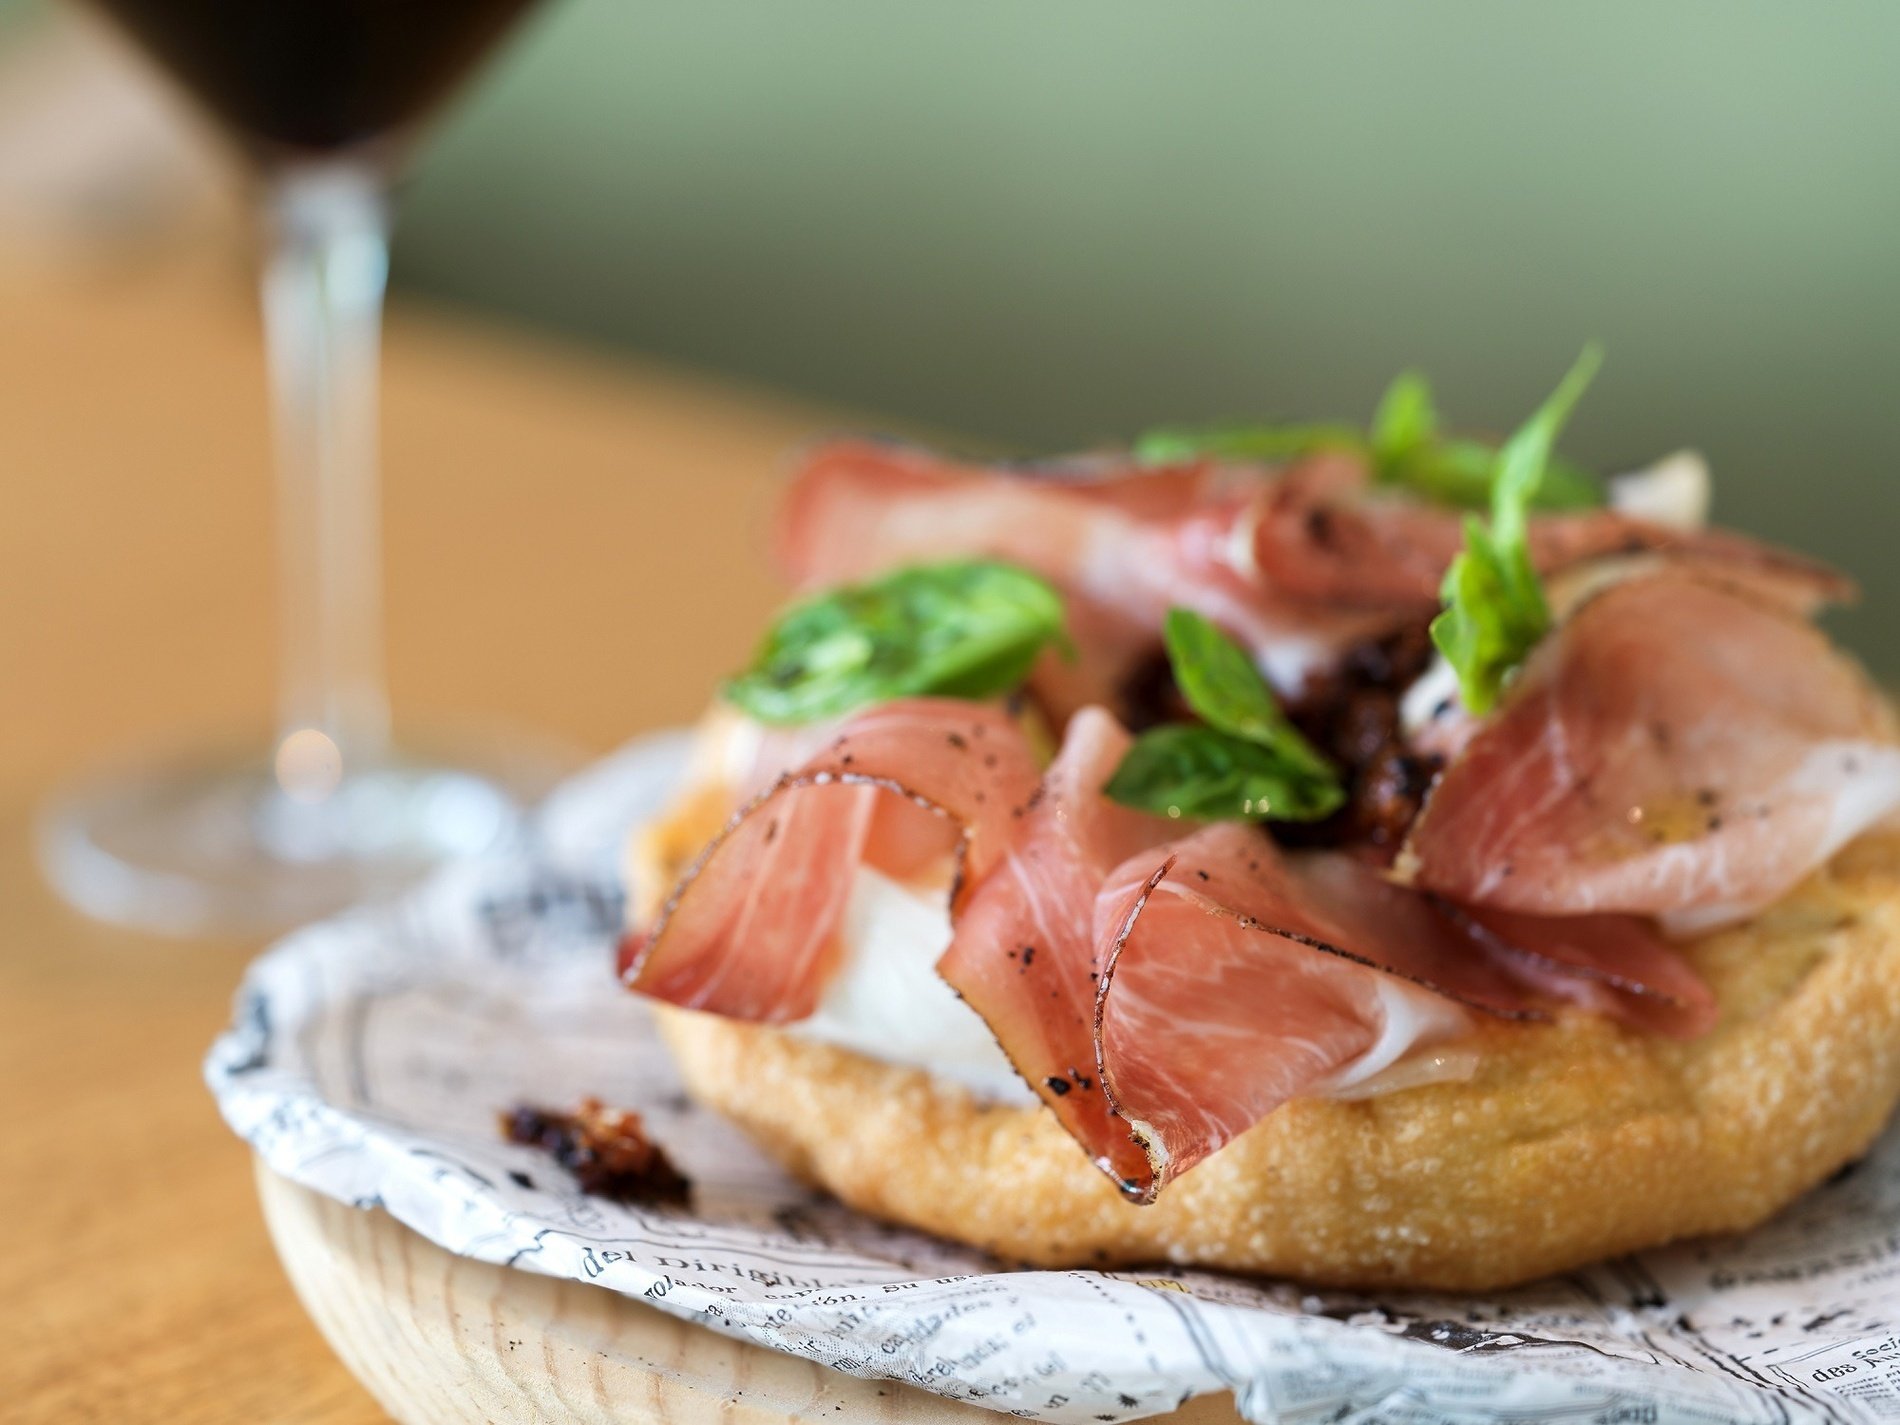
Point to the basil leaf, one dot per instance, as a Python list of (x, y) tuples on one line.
[(1207, 775), (1459, 472), (1220, 681), (1405, 445), (1251, 441), (1248, 763), (969, 629), (1494, 610), (1404, 425), (1409, 449)]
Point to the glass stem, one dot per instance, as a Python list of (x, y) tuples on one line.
[(324, 275)]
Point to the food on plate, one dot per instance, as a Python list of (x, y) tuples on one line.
[(607, 1150), (1383, 858)]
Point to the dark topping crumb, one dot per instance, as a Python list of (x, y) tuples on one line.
[(1056, 1086), (957, 740), (1352, 715), (1146, 696), (606, 1149), (1029, 955)]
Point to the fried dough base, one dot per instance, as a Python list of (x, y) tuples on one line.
[(1573, 1142)]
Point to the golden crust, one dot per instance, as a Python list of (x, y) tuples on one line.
[(1572, 1142)]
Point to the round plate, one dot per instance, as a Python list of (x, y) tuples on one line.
[(441, 1340)]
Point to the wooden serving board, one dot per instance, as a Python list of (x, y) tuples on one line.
[(441, 1340)]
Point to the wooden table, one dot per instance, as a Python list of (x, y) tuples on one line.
[(574, 549)]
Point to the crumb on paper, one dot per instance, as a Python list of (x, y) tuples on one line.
[(606, 1149)]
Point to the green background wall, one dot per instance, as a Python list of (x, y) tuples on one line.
[(1049, 221)]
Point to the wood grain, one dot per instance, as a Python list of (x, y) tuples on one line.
[(573, 546), (441, 1340)]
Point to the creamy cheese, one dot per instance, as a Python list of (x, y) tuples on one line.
[(888, 1002), (1675, 491), (1431, 698)]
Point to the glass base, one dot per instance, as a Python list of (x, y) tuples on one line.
[(217, 846)]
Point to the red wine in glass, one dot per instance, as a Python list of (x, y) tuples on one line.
[(316, 75), (321, 95)]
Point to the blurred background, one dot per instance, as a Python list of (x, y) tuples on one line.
[(1050, 224)]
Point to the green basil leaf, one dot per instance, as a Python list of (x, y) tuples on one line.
[(1409, 449), (1204, 774), (1457, 471), (1494, 610), (1405, 423), (1243, 441), (1405, 444), (1248, 763), (1219, 680), (968, 629)]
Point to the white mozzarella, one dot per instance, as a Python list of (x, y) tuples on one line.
[(1675, 491), (888, 1002)]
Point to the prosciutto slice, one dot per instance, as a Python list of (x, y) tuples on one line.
[(855, 507), (1323, 533), (1678, 748), (751, 930), (1235, 979), (1126, 542), (1614, 965), (1024, 956)]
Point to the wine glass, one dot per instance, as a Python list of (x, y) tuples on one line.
[(323, 96)]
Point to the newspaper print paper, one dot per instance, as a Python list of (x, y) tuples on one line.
[(368, 1058)]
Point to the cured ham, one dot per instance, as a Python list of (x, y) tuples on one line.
[(1323, 533), (1677, 748), (1300, 565), (1235, 980), (1024, 955), (1614, 965), (857, 505), (1127, 543), (750, 932)]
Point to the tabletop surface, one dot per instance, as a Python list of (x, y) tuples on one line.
[(573, 549)]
